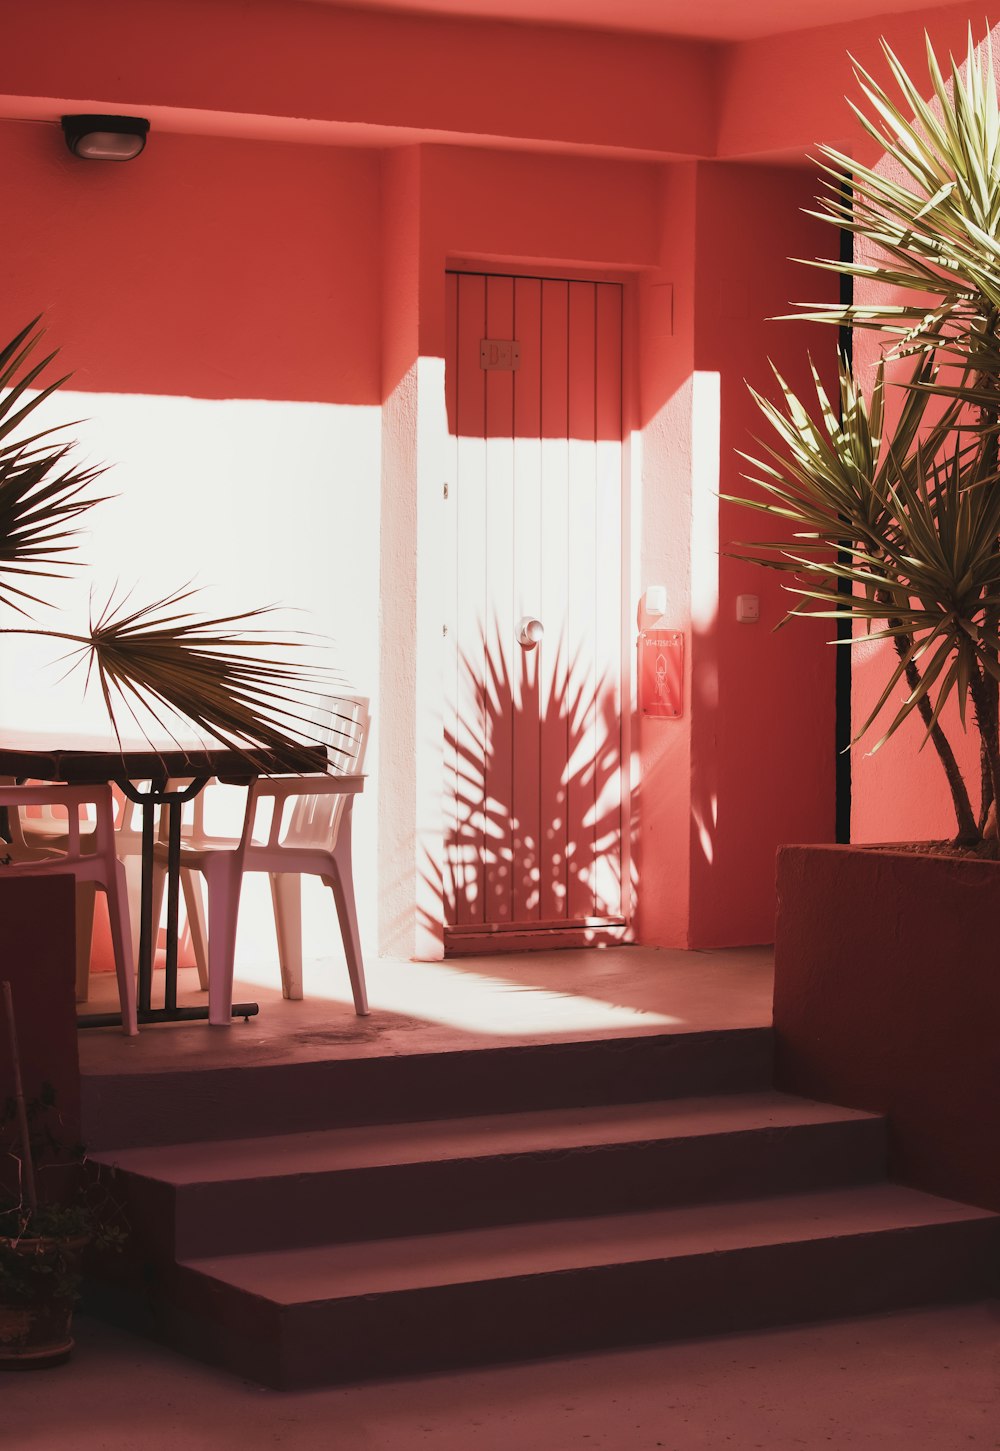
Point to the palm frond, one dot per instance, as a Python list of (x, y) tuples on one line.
[(41, 492), (931, 217), (162, 661)]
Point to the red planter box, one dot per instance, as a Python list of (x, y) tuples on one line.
[(887, 998), (37, 958)]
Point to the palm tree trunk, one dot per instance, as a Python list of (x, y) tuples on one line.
[(985, 786), (985, 701)]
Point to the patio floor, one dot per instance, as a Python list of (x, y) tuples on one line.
[(462, 1003), (922, 1380)]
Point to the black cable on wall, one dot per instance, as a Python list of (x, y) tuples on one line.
[(842, 718)]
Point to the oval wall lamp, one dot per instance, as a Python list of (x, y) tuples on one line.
[(105, 138)]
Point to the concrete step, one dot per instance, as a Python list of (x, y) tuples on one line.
[(135, 1108), (384, 1180), (323, 1314)]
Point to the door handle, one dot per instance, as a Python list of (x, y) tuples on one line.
[(529, 632)]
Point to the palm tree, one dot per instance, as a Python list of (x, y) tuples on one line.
[(900, 528)]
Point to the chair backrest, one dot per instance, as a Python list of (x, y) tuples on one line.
[(309, 820), (69, 807), (46, 821), (315, 820), (344, 722)]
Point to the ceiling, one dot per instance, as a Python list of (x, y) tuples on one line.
[(717, 20)]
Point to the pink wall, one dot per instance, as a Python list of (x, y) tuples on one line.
[(900, 792), (785, 93), (212, 268), (662, 417), (427, 76), (228, 266), (761, 705), (759, 701), (764, 723), (568, 211), (276, 68), (219, 305), (398, 864), (485, 209)]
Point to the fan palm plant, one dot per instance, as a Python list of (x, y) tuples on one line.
[(159, 660), (899, 526)]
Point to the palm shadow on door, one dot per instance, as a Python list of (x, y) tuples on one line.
[(534, 834)]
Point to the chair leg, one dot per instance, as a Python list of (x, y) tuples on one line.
[(121, 938), (133, 877), (84, 938), (224, 886), (196, 925), (286, 895), (342, 886)]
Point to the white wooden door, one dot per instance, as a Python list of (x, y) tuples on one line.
[(533, 735)]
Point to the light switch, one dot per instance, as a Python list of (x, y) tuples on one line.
[(747, 609), (655, 600)]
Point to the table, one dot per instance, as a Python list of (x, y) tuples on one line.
[(85, 760)]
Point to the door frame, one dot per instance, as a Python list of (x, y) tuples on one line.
[(482, 940)]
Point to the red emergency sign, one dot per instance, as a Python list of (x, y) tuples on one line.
[(661, 673)]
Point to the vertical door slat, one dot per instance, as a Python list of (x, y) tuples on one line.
[(581, 606), (500, 624), (526, 824), (471, 623), (452, 873), (608, 895), (552, 703)]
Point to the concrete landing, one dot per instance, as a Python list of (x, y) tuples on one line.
[(434, 1007)]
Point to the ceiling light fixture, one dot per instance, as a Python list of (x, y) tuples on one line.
[(105, 138)]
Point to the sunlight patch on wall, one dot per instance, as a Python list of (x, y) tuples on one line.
[(705, 827), (261, 502), (705, 428)]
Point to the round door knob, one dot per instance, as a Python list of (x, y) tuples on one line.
[(529, 632)]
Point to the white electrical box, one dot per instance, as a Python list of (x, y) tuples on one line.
[(747, 609)]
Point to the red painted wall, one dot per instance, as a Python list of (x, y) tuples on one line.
[(208, 268), (220, 267), (785, 93), (277, 61), (661, 409), (899, 791), (763, 717)]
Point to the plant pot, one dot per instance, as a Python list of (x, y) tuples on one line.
[(35, 1326), (887, 998)]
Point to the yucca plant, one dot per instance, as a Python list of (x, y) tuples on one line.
[(157, 661), (899, 527)]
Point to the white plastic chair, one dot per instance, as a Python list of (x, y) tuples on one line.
[(39, 836), (86, 849), (34, 837), (315, 840)]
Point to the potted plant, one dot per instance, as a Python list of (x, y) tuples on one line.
[(51, 1213), (886, 993)]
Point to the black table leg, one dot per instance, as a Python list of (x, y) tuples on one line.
[(147, 938)]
